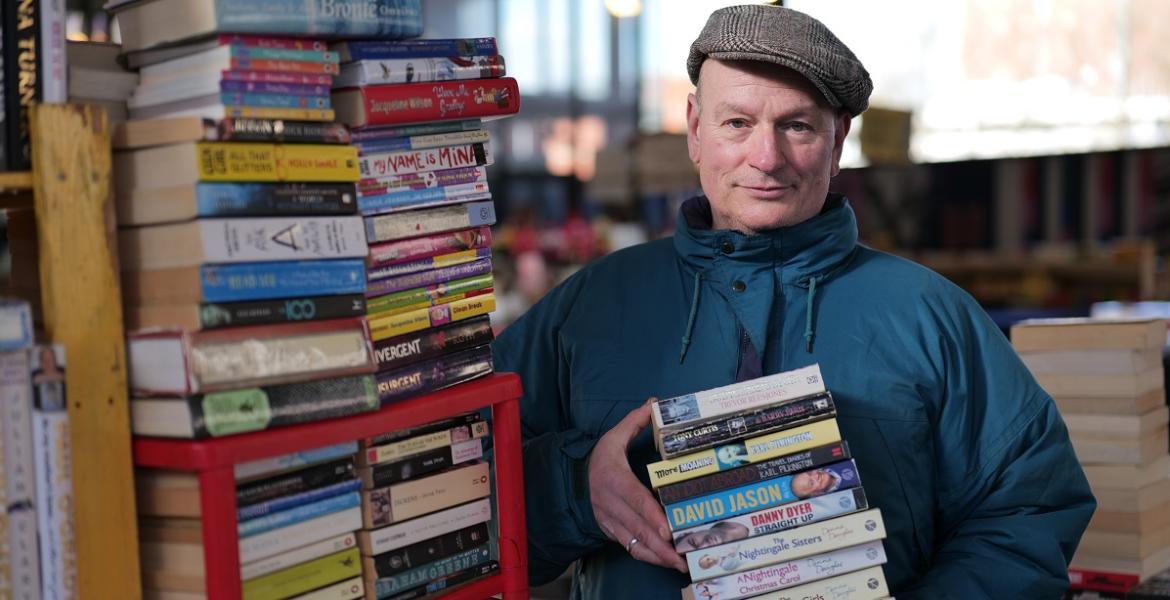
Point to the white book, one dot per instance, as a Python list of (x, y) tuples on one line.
[(386, 164), (689, 408), (306, 532), (414, 70), (786, 575), (344, 590), (297, 556), (19, 470), (869, 584), (409, 532)]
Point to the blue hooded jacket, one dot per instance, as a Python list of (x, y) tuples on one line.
[(963, 452)]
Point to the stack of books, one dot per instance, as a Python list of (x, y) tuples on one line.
[(297, 520), (761, 494), (416, 108), (426, 509), (1107, 380), (96, 77)]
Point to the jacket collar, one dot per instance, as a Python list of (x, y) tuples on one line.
[(815, 248)]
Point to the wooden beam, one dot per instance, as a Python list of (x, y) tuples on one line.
[(73, 200), (15, 181)]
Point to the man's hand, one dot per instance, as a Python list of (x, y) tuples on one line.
[(624, 508)]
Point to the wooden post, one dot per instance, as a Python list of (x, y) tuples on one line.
[(73, 200)]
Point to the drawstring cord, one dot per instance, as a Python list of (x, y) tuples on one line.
[(808, 318), (686, 338)]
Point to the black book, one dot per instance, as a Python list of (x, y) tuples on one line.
[(295, 482)]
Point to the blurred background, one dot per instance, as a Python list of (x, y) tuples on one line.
[(1020, 147)]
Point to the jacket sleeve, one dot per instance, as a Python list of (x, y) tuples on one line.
[(561, 525), (1013, 500)]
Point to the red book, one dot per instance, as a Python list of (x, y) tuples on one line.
[(395, 104)]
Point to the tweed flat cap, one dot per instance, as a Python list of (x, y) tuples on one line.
[(789, 38)]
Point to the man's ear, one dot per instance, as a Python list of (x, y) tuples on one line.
[(843, 123), (693, 128)]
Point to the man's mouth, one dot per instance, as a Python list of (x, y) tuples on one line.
[(765, 191)]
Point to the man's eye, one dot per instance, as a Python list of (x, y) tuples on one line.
[(737, 123), (799, 127)]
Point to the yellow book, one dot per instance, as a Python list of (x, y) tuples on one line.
[(290, 114), (306, 576), (387, 326), (743, 452)]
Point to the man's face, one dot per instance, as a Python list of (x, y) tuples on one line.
[(811, 483), (765, 144)]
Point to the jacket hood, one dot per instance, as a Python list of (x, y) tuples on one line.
[(817, 247)]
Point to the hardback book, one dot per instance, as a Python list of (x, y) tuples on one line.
[(1092, 362), (412, 70), (1127, 477), (1088, 334), (379, 105), (217, 414), (1117, 426), (1125, 521), (1121, 450), (158, 22), (35, 69), (179, 363), (240, 240), (1102, 386), (243, 282), (195, 316), (353, 50), (164, 132), (1113, 404), (1143, 498)]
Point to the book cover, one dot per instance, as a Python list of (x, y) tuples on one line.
[(349, 589), (431, 159), (307, 497), (278, 541), (304, 512), (467, 418), (19, 470), (416, 497), (305, 577), (216, 315), (434, 571), (397, 104), (425, 198), (432, 295), (174, 130), (267, 100), (297, 556), (244, 282), (448, 582), (54, 474), (400, 449), (422, 142), (680, 411), (414, 70), (247, 471), (396, 226), (252, 409), (434, 374), (752, 422), (407, 281), (352, 50), (210, 200), (421, 464), (788, 574), (866, 584), (398, 535), (276, 162), (429, 245), (418, 555), (411, 129), (301, 480), (264, 87), (440, 261), (385, 326), (415, 347)]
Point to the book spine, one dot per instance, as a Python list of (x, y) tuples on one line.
[(296, 500), (54, 72), (279, 131), (297, 556), (279, 53), (713, 433), (266, 281), (284, 462), (411, 199), (389, 285), (419, 465), (23, 66), (438, 439), (350, 589), (385, 228), (788, 574), (399, 535), (418, 555), (387, 19), (270, 543), (284, 43), (236, 111), (412, 129), (867, 584), (416, 497), (765, 494), (281, 239), (387, 326), (264, 87), (441, 261), (763, 471), (299, 514), (265, 312), (435, 374), (742, 452), (423, 142), (434, 571), (273, 100), (253, 409), (274, 199), (817, 538), (773, 520), (276, 162), (296, 482), (19, 472), (430, 245), (681, 411), (412, 348), (434, 101), (411, 70), (402, 434), (290, 66), (419, 161), (54, 500), (449, 581), (304, 577), (421, 181), (16, 322), (374, 49), (278, 77), (431, 295)]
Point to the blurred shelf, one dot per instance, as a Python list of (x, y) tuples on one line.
[(16, 181)]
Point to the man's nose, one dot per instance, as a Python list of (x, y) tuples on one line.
[(765, 151)]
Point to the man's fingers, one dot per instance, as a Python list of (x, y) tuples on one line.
[(642, 502), (650, 547)]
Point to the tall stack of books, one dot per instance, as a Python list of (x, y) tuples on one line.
[(755, 478), (415, 108), (1106, 378), (426, 507), (95, 77)]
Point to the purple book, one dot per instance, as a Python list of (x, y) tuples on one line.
[(264, 87), (424, 278)]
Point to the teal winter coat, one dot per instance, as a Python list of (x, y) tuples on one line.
[(965, 455)]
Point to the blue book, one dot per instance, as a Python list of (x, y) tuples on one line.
[(276, 505), (350, 51), (287, 462), (274, 199), (263, 281), (384, 203), (387, 19), (273, 100), (298, 514), (429, 572), (397, 131)]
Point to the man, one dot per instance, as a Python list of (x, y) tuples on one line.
[(957, 445)]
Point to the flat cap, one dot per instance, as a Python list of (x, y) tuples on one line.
[(789, 38)]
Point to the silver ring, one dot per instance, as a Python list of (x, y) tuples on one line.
[(630, 546)]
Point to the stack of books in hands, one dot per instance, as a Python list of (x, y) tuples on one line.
[(761, 493), (1106, 377), (416, 109)]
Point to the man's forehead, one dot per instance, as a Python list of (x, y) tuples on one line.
[(731, 73)]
